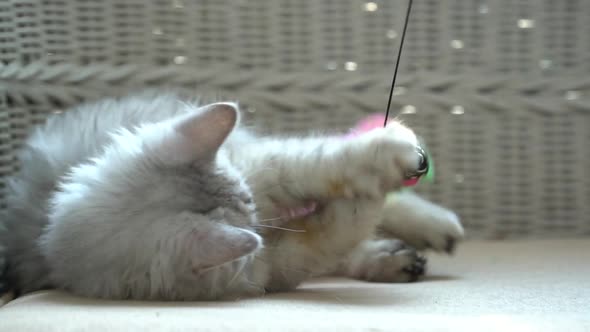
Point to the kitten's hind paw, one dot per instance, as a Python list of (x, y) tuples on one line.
[(416, 269), (386, 260)]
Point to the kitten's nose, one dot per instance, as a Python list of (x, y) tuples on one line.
[(422, 165)]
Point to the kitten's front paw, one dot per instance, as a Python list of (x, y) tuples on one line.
[(379, 161), (386, 260)]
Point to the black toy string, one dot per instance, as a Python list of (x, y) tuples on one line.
[(399, 55)]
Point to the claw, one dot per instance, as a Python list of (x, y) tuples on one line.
[(417, 268), (450, 245)]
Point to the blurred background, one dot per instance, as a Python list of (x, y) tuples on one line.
[(499, 89)]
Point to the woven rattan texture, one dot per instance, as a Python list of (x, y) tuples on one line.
[(498, 88), (533, 37)]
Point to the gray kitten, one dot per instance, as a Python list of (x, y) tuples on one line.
[(155, 197)]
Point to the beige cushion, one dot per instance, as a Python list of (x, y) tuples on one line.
[(487, 286)]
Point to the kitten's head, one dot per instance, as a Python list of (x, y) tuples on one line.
[(169, 180), (185, 156)]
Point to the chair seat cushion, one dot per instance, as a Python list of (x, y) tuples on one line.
[(540, 285)]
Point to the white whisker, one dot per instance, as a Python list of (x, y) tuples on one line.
[(282, 228), (241, 264), (271, 219)]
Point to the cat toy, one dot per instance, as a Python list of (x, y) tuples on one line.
[(378, 120), (426, 168)]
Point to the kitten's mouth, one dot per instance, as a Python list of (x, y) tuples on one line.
[(290, 213)]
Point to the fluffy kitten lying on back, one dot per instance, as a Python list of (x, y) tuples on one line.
[(151, 197)]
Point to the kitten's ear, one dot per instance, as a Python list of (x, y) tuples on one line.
[(205, 131), (214, 244), (195, 136)]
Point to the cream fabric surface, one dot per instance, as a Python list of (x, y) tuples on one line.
[(541, 285)]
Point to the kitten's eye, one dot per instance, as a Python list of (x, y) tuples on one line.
[(247, 200)]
